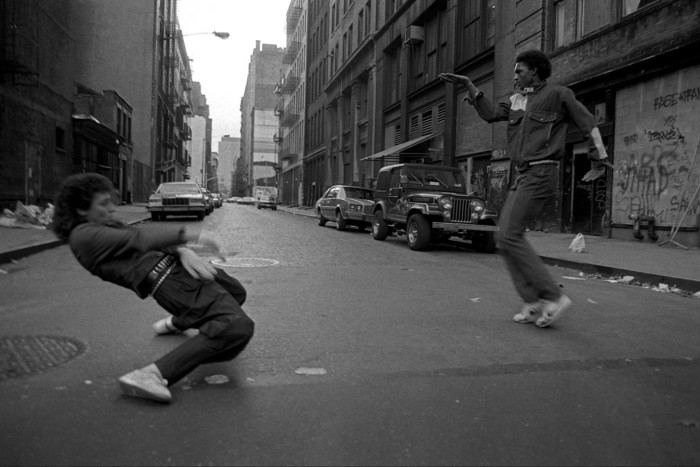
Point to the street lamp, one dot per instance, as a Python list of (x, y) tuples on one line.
[(219, 34)]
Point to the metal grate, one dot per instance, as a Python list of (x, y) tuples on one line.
[(176, 201), (27, 355), (246, 262), (461, 210)]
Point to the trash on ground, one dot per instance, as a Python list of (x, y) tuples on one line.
[(593, 301), (2, 271), (87, 381), (27, 216), (696, 295), (578, 244), (612, 281), (661, 288), (689, 423), (581, 274), (627, 279), (250, 380), (216, 379), (475, 300), (574, 278), (310, 371)]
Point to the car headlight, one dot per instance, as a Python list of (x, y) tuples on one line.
[(477, 208), (446, 203), (155, 200), (197, 200)]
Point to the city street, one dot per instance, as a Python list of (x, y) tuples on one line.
[(414, 360)]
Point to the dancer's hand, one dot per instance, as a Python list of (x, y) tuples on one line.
[(597, 171), (195, 265), (208, 240), (455, 79)]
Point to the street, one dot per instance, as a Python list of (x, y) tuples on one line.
[(423, 364)]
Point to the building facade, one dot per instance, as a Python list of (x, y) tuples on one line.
[(229, 150), (633, 64), (291, 106), (259, 123), (37, 86)]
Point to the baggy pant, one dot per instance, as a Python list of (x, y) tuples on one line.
[(532, 188), (213, 307)]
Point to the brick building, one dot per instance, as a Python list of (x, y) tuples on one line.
[(634, 64)]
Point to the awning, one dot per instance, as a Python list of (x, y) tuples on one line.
[(398, 148)]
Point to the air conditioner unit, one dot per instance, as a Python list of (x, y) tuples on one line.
[(414, 34)]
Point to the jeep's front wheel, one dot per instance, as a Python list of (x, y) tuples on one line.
[(484, 242), (321, 220), (379, 228), (418, 232)]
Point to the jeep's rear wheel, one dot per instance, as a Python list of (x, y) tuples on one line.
[(418, 232), (379, 228), (484, 242), (340, 223)]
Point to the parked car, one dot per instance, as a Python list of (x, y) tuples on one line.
[(346, 205), (247, 200), (431, 203), (267, 202), (217, 199), (177, 198), (209, 200), (233, 199)]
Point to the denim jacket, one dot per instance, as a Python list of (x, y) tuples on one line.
[(122, 255), (538, 122)]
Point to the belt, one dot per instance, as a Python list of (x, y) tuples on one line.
[(542, 161), (159, 272)]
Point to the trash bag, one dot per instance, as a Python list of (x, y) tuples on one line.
[(578, 244)]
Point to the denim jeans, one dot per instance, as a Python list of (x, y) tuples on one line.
[(532, 188), (213, 307)]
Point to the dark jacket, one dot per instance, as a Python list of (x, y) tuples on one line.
[(122, 255), (538, 131)]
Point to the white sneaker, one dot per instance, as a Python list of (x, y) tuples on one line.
[(146, 384), (165, 326), (552, 311), (529, 312)]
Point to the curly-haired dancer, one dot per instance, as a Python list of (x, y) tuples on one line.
[(538, 117), (155, 262)]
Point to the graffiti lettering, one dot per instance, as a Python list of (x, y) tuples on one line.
[(668, 134), (669, 100), (631, 139)]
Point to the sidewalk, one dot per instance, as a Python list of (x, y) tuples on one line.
[(647, 262), (17, 243)]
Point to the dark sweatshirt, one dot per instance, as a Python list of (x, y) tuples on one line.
[(123, 255)]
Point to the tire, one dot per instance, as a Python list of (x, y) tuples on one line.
[(418, 232), (200, 216), (340, 223), (155, 216), (379, 228), (275, 208), (485, 242), (321, 220)]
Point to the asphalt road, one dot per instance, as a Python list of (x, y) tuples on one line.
[(423, 365)]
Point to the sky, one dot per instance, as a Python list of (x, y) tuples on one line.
[(221, 66)]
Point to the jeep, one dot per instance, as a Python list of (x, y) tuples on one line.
[(430, 202)]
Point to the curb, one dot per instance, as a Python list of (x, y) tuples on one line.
[(8, 256)]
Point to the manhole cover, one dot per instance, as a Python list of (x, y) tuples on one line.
[(27, 355), (246, 262)]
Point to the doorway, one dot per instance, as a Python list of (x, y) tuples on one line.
[(587, 200)]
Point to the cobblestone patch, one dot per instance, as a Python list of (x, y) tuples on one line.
[(27, 355)]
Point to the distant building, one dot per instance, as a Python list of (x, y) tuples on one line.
[(229, 152), (258, 158)]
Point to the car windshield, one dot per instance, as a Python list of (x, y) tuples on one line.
[(178, 189), (358, 193), (434, 179)]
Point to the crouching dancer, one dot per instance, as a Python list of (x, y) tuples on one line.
[(154, 261)]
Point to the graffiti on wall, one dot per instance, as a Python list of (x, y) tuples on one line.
[(655, 145)]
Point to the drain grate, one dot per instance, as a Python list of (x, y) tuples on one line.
[(28, 355), (246, 262)]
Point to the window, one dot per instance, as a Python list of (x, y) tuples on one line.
[(593, 15), (393, 75), (368, 18), (60, 139), (630, 6), (476, 24), (360, 25)]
